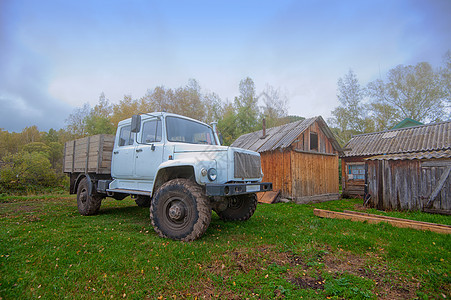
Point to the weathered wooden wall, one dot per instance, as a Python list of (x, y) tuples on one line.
[(407, 184), (302, 176), (276, 167), (303, 141), (431, 172), (314, 176), (90, 154)]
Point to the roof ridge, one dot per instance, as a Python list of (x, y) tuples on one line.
[(402, 129), (299, 122)]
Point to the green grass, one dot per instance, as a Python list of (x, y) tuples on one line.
[(48, 250)]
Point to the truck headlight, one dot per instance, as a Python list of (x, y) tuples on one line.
[(212, 174)]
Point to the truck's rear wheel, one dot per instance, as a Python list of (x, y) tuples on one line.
[(87, 205), (180, 210), (239, 208)]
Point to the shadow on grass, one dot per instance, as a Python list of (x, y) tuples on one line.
[(128, 210)]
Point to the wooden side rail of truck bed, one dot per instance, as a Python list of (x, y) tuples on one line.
[(91, 154)]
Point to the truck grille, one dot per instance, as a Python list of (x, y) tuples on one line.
[(247, 165)]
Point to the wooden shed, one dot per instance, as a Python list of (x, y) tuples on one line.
[(405, 169), (299, 158)]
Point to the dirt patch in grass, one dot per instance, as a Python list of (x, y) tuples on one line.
[(231, 265), (303, 274), (27, 211), (307, 282), (387, 284), (245, 259)]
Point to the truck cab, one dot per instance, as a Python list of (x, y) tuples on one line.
[(164, 146)]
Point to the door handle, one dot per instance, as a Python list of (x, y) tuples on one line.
[(116, 152), (139, 150)]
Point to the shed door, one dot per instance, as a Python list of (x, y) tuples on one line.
[(431, 174)]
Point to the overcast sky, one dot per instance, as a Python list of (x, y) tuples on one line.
[(57, 55)]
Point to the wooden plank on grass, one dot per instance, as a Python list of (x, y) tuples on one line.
[(268, 197), (374, 219), (393, 218)]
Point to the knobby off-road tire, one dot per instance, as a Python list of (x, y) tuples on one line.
[(239, 208), (143, 201), (87, 205), (180, 210)]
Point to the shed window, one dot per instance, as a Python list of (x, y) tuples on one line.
[(313, 141), (356, 172)]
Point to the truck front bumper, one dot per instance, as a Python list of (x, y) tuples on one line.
[(231, 189)]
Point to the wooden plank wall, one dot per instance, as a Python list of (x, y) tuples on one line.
[(89, 154), (303, 141), (276, 167), (431, 172), (393, 184), (314, 174), (406, 185), (302, 174)]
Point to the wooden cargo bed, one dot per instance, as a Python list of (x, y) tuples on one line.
[(90, 154)]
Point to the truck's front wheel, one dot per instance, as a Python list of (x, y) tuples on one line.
[(87, 204), (180, 210), (239, 208)]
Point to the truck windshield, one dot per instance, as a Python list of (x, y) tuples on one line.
[(186, 131)]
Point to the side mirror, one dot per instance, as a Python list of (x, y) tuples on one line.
[(136, 123), (221, 139)]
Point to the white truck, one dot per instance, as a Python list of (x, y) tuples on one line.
[(173, 164)]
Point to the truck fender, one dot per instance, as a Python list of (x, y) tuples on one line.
[(166, 172), (88, 178)]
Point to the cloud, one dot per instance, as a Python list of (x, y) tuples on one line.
[(24, 99), (56, 55)]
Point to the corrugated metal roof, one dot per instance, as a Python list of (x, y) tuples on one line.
[(282, 136), (414, 155), (431, 137)]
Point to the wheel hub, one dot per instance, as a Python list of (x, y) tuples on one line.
[(235, 203), (176, 212), (83, 196)]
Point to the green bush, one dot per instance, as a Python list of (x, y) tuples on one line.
[(27, 171)]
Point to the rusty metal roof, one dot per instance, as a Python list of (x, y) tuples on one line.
[(283, 136), (431, 137)]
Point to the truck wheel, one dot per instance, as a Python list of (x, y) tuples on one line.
[(239, 208), (180, 210), (143, 201), (87, 205)]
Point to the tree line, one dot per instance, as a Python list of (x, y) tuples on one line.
[(23, 154), (32, 160), (418, 92), (242, 115)]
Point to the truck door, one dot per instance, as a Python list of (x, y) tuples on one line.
[(123, 154), (149, 151)]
